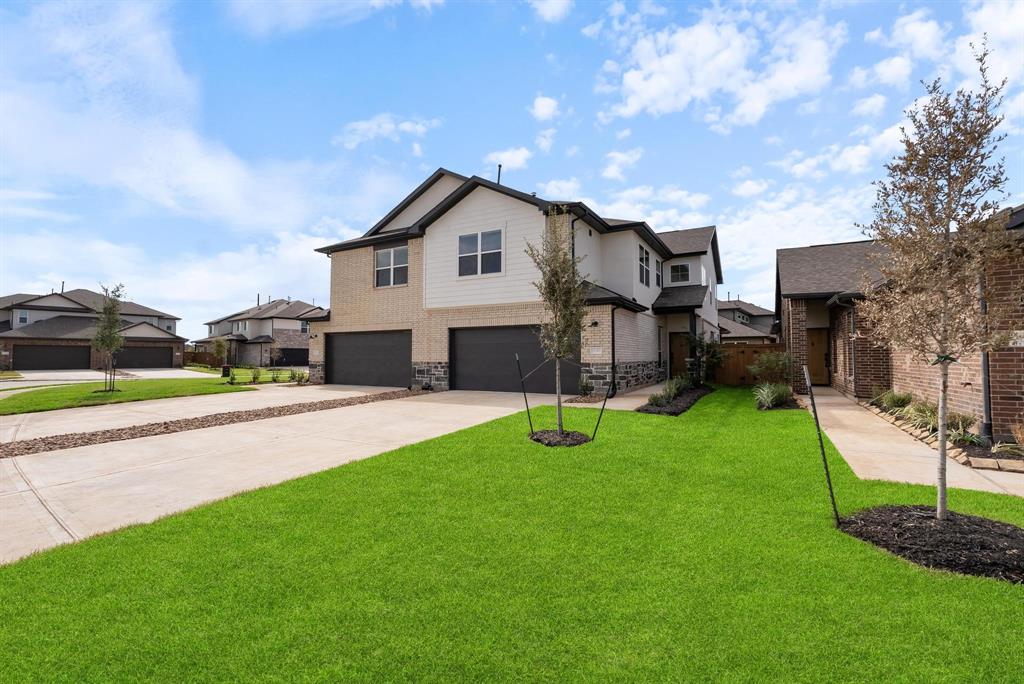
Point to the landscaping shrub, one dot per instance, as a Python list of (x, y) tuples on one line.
[(659, 399), (257, 373), (771, 395), (586, 387), (922, 415), (292, 375), (232, 377), (772, 368), (674, 386), (891, 401)]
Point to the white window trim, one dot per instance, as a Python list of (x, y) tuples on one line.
[(479, 254), (659, 277), (22, 313), (391, 267), (644, 270), (671, 279)]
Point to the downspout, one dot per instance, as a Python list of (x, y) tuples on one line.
[(986, 386)]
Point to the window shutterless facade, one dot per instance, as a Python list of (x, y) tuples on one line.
[(679, 273), (645, 267), (22, 316), (304, 326), (480, 253), (391, 266), (657, 272)]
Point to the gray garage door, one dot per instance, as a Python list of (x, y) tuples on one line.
[(50, 357), (484, 359), (383, 359), (145, 357)]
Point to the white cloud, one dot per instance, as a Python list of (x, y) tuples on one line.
[(1001, 22), (623, 134), (750, 187), (668, 207), (773, 140), (544, 108), (809, 107), (560, 189), (25, 204), (617, 162), (741, 172), (262, 18), (873, 105), (572, 150), (919, 35), (859, 77), (721, 56), (551, 10), (894, 71), (857, 158), (384, 125), (417, 149), (545, 139), (512, 159)]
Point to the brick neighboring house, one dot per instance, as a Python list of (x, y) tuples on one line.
[(817, 293), (54, 332), (251, 334), (745, 323), (440, 291)]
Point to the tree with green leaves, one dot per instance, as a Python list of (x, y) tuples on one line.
[(220, 349), (108, 339), (937, 215), (562, 291)]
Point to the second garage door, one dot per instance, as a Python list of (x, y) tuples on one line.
[(382, 359), (484, 359), (145, 357)]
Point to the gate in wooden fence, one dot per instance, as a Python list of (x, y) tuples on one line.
[(736, 358)]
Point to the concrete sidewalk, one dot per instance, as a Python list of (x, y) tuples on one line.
[(131, 413), (877, 450)]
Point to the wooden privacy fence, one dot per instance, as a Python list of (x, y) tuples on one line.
[(736, 358), (208, 358)]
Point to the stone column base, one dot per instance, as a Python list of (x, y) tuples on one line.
[(433, 372)]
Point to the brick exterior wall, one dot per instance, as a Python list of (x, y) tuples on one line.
[(858, 366), (358, 306), (794, 336), (95, 358)]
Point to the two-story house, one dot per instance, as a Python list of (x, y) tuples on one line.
[(54, 332), (441, 291), (742, 322), (256, 334)]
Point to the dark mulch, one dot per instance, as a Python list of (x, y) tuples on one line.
[(586, 399), (551, 438), (979, 451), (683, 401), (77, 439), (789, 405), (961, 543)]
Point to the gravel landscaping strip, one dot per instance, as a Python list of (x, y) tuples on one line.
[(77, 439)]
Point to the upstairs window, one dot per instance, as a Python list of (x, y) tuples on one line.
[(22, 316), (168, 326), (304, 326), (391, 266), (679, 273), (657, 272), (480, 253), (645, 267)]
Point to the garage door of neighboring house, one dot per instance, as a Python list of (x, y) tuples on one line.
[(382, 359), (145, 357), (50, 357), (484, 359), (294, 356)]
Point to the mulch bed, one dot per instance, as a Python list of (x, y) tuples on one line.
[(586, 399), (791, 404), (77, 439), (961, 543), (683, 401), (551, 438)]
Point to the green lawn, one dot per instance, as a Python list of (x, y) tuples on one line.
[(9, 375), (244, 375), (696, 548), (86, 394)]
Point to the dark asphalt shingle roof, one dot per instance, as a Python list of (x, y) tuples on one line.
[(731, 328), (94, 300), (682, 297), (689, 240), (275, 308), (824, 270), (596, 294), (71, 328), (8, 301), (747, 307)]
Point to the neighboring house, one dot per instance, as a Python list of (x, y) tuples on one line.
[(745, 323), (734, 332), (54, 332), (817, 294), (253, 334), (440, 291)]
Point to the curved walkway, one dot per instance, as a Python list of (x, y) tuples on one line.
[(877, 450)]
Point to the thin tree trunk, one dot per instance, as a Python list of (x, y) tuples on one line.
[(558, 392), (940, 506)]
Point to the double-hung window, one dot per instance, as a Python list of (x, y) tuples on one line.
[(304, 326), (645, 267), (679, 273), (657, 273), (480, 253), (22, 316), (391, 266)]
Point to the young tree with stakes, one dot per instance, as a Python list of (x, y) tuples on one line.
[(937, 216), (108, 339), (561, 290)]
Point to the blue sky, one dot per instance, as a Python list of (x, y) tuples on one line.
[(198, 152)]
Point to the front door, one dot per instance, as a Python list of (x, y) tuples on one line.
[(678, 352), (817, 355)]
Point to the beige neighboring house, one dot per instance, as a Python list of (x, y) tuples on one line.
[(54, 332), (440, 292), (745, 323), (252, 335)]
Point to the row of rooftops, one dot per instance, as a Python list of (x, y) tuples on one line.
[(85, 299), (275, 308)]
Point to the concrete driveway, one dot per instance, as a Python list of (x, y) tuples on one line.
[(41, 378)]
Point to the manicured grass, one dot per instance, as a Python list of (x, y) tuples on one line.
[(689, 548), (204, 369), (244, 375), (87, 394)]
